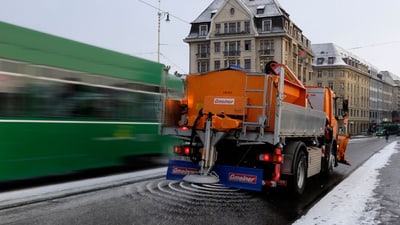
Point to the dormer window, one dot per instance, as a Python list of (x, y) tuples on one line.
[(267, 25), (260, 9), (203, 30), (213, 13), (320, 61)]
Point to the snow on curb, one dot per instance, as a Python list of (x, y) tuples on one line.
[(346, 203)]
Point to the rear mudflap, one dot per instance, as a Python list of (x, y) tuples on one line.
[(240, 177), (177, 169), (230, 176)]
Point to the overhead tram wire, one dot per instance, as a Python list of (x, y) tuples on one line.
[(173, 63), (374, 45)]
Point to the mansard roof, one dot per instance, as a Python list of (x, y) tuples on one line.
[(272, 8), (327, 50)]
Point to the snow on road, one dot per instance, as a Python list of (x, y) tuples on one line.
[(347, 202)]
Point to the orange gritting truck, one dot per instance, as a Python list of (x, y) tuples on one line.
[(253, 130)]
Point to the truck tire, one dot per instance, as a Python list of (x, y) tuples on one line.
[(329, 160), (298, 180)]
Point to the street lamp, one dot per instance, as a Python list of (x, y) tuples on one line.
[(161, 15)]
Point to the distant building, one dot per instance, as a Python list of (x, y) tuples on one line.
[(349, 77), (247, 33), (390, 97), (372, 94)]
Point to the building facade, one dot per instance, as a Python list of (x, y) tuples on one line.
[(349, 77), (372, 94), (248, 34)]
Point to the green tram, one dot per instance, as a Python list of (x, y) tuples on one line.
[(66, 106)]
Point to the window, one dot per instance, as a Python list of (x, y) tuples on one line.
[(232, 11), (341, 85), (286, 25), (320, 61), (260, 9), (319, 74), (331, 60), (217, 47), (266, 47), (232, 48), (234, 62), (203, 50), (203, 30), (330, 85), (56, 99), (247, 27), (319, 84), (217, 28), (213, 13), (247, 45), (232, 27), (267, 25), (330, 73), (247, 64), (203, 66), (217, 64)]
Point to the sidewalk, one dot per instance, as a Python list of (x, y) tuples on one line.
[(387, 193), (369, 196)]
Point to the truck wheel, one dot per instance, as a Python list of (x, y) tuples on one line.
[(329, 161), (298, 181)]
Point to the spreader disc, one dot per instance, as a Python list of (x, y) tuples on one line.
[(201, 179)]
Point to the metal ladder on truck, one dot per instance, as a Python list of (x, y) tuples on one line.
[(263, 119)]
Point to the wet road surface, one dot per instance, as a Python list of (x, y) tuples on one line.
[(167, 202)]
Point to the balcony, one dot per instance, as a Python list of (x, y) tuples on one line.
[(204, 55), (232, 33), (266, 52), (231, 53)]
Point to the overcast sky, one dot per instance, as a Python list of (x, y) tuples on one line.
[(369, 29)]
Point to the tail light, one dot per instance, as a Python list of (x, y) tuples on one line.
[(182, 150), (275, 157), (184, 128), (271, 157)]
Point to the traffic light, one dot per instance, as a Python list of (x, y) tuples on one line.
[(345, 106)]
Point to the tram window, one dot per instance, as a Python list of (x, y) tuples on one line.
[(23, 96), (13, 96), (131, 105)]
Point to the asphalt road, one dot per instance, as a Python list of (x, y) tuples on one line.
[(160, 201)]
